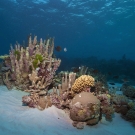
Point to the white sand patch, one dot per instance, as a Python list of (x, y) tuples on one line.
[(16, 119)]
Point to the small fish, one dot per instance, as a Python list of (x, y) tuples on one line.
[(58, 48), (112, 83), (65, 49), (75, 69)]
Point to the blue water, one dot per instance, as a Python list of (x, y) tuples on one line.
[(101, 28)]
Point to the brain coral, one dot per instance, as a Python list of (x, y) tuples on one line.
[(83, 82)]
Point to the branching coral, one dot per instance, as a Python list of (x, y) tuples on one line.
[(6, 81), (62, 96), (106, 107), (24, 61), (67, 82), (31, 69)]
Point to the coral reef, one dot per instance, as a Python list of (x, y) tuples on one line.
[(131, 114), (122, 105), (62, 96), (82, 71), (67, 81), (100, 88), (31, 69), (119, 99), (106, 107), (31, 100), (85, 94), (83, 83), (5, 78), (34, 62)]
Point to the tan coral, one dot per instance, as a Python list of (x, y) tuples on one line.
[(83, 82)]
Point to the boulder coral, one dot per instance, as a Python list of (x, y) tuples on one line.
[(85, 107)]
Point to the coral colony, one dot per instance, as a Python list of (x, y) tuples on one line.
[(85, 96)]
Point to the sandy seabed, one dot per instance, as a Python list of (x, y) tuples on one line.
[(16, 119)]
